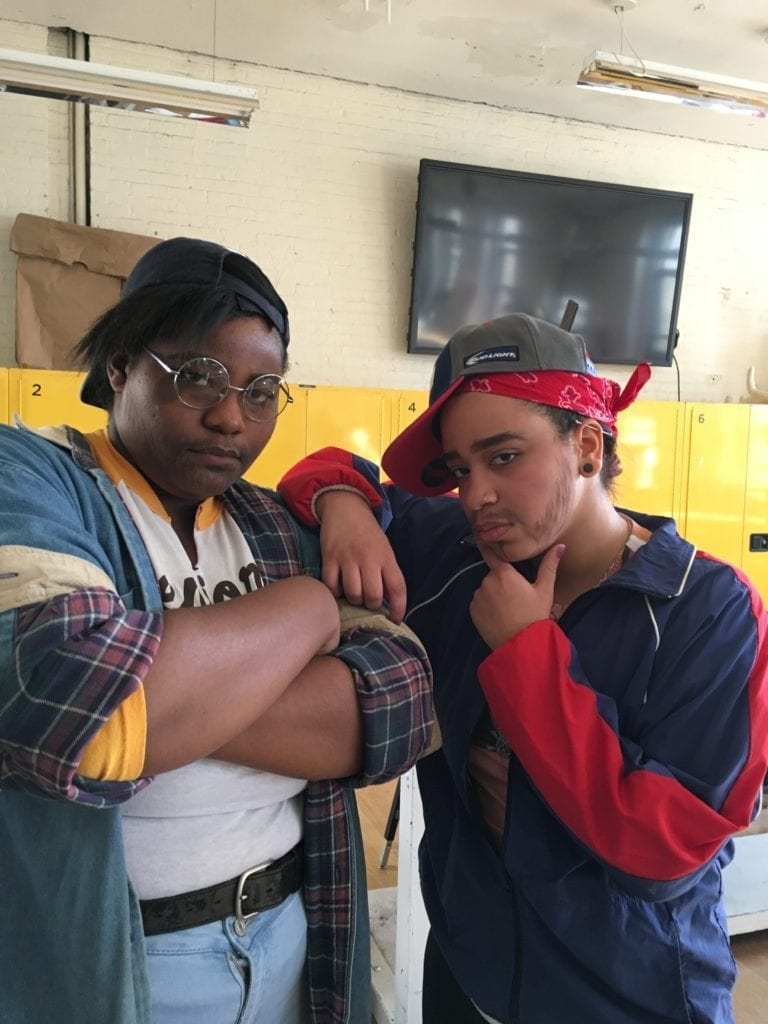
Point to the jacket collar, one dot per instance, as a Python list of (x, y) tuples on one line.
[(68, 438), (662, 566)]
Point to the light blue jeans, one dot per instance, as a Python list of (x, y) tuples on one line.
[(209, 975)]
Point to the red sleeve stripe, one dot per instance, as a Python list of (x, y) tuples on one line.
[(644, 823), (326, 468)]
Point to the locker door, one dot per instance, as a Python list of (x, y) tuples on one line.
[(51, 397), (717, 469), (754, 559), (287, 445), (4, 385), (409, 406), (650, 444), (358, 419)]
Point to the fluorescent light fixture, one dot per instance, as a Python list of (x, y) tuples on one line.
[(630, 76), (37, 74)]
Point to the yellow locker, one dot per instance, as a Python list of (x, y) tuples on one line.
[(49, 397), (704, 464), (650, 445), (287, 445), (409, 406), (717, 473), (754, 560), (4, 410), (358, 419)]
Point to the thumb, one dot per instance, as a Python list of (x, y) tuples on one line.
[(545, 578)]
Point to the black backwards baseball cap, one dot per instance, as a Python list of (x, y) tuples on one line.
[(510, 344), (178, 261)]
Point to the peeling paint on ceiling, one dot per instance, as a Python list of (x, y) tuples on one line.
[(522, 55), (499, 48)]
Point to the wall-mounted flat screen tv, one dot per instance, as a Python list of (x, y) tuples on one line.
[(491, 242)]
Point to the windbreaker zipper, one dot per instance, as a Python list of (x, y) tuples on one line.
[(517, 930)]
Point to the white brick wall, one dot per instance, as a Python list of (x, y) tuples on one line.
[(33, 169), (321, 191)]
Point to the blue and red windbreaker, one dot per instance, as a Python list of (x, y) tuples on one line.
[(638, 726)]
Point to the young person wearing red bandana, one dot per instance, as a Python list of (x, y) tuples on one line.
[(601, 687)]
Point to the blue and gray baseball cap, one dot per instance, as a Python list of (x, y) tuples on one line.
[(510, 344)]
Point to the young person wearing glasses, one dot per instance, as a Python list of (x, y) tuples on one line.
[(601, 687), (162, 617)]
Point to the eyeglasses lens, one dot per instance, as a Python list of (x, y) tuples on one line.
[(202, 383), (265, 398)]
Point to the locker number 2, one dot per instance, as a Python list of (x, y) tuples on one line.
[(37, 390)]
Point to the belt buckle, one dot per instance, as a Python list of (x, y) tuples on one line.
[(241, 919)]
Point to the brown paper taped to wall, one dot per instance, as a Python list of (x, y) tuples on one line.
[(67, 275)]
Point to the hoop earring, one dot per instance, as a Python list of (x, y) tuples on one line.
[(587, 469)]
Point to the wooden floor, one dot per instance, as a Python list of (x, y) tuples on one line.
[(750, 951), (373, 804), (751, 995)]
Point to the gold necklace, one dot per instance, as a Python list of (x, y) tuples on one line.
[(615, 564), (619, 558)]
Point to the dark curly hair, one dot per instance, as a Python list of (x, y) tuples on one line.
[(183, 312), (565, 422)]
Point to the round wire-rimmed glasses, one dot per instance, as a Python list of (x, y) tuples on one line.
[(202, 382)]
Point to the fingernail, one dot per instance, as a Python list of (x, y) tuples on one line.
[(560, 550)]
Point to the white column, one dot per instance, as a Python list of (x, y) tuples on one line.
[(412, 925)]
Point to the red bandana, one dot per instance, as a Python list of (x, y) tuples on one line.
[(594, 397)]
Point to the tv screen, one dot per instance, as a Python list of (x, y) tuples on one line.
[(490, 242)]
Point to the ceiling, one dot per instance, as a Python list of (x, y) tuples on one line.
[(521, 54)]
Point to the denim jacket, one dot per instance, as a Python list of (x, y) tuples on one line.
[(80, 619)]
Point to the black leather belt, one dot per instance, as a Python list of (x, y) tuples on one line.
[(259, 888)]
